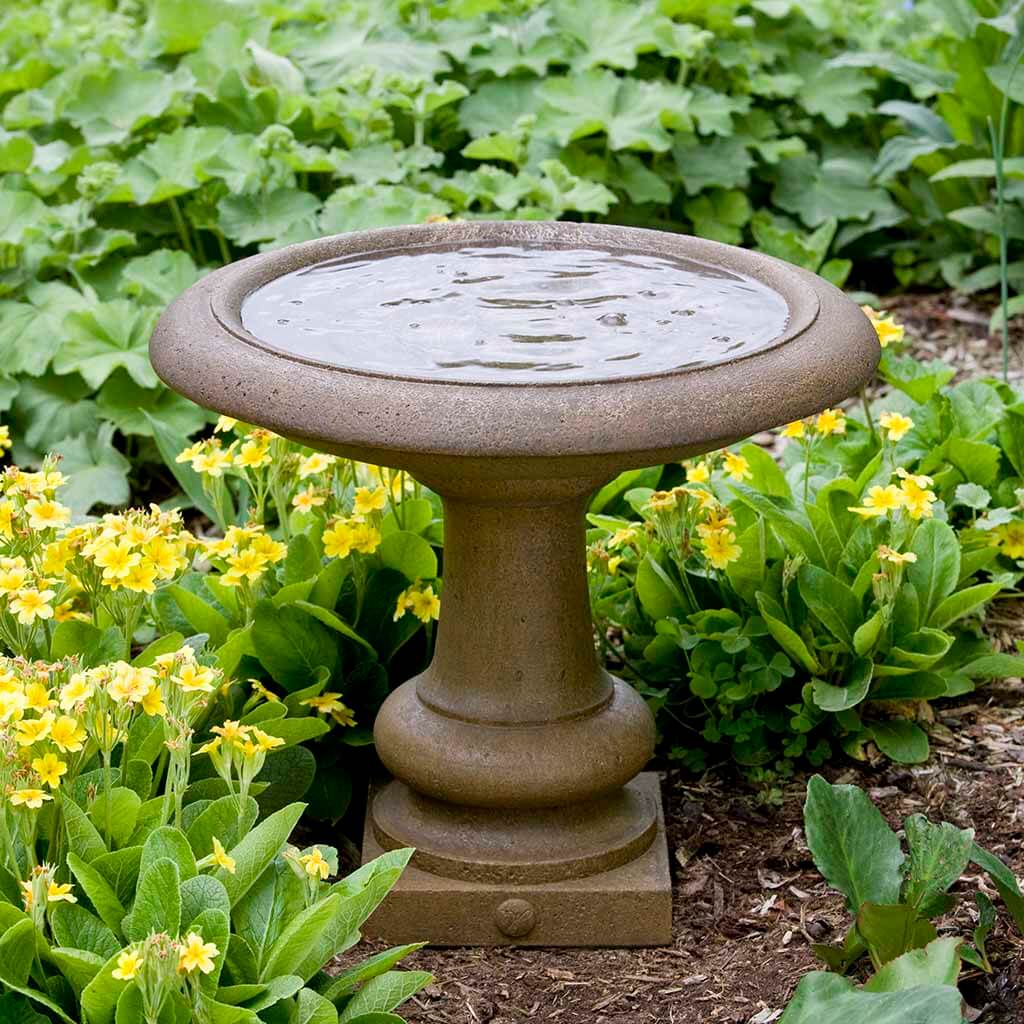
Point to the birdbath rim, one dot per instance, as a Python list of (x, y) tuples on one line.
[(827, 349)]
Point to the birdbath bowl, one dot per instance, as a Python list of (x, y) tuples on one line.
[(515, 368)]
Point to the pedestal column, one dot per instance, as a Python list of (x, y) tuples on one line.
[(515, 755)]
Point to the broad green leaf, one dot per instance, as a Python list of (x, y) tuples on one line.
[(200, 893), (657, 592), (357, 207), (890, 930), (787, 638), (408, 554), (99, 893), (313, 1008), (901, 740), (938, 855), (384, 993), (329, 618), (832, 601), (124, 806), (292, 645), (157, 906), (267, 908), (17, 947), (962, 603), (170, 443), (125, 403), (1004, 881), (159, 276), (228, 819), (825, 997), (201, 615), (348, 981), (75, 927), (839, 698), (937, 569), (257, 849), (97, 472), (937, 964), (79, 966), (300, 942), (267, 216), (109, 335), (852, 846), (168, 843), (83, 836)]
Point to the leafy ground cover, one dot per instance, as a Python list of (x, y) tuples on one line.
[(144, 144)]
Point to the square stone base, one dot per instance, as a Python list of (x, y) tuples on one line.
[(628, 906)]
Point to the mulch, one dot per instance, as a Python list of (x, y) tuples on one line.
[(748, 902)]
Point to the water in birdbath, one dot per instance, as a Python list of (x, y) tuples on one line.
[(515, 314)]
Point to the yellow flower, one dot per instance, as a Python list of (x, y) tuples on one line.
[(197, 954), (253, 455), (663, 500), (720, 548), (315, 864), (794, 429), (56, 556), (613, 564), (264, 741), (49, 768), (261, 691), (164, 557), (231, 731), (13, 578), (116, 560), (37, 698), (368, 501), (33, 730), (213, 461), (916, 495), (12, 706), (308, 499), (425, 604), (1011, 539), (337, 539), (888, 554), (268, 548), (248, 563), (60, 893), (6, 518), (153, 703), (31, 604), (77, 690), (831, 421), (888, 331), (46, 514), (5, 439), (196, 678), (68, 735), (697, 472), (895, 425), (365, 538), (626, 535), (737, 466), (130, 684), (225, 424), (189, 453), (31, 798), (128, 964), (315, 463), (329, 704), (141, 578), (220, 857), (880, 501)]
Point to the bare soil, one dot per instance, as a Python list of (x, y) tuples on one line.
[(748, 902)]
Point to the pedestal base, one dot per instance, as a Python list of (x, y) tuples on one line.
[(629, 905)]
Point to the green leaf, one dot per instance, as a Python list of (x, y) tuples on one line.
[(348, 981), (330, 619), (83, 836), (170, 443), (852, 846), (1004, 881), (124, 811), (267, 216), (840, 698), (937, 570), (962, 603), (901, 740), (125, 403), (74, 926), (292, 645), (257, 849), (657, 592), (313, 1008), (106, 336), (384, 993), (937, 964), (408, 554), (168, 843), (298, 945), (157, 906), (92, 646), (938, 856), (97, 472), (100, 894), (832, 601), (17, 947), (786, 637), (357, 207), (890, 930), (160, 276), (201, 615), (79, 966), (712, 163), (199, 893), (227, 819)]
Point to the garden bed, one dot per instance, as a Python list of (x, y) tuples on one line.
[(749, 901)]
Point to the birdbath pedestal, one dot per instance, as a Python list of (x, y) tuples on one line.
[(514, 368)]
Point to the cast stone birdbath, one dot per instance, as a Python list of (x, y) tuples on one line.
[(514, 368)]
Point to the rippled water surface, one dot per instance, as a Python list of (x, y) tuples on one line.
[(515, 314)]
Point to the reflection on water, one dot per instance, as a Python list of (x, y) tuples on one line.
[(508, 314)]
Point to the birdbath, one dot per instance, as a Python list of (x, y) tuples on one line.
[(515, 368)]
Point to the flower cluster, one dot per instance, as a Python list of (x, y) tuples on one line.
[(912, 495), (238, 753), (889, 332), (825, 424), (330, 704), (244, 554), (689, 518), (420, 600)]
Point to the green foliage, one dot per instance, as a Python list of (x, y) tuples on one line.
[(892, 900), (822, 625)]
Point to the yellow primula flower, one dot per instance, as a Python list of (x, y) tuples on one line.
[(663, 500), (194, 678), (268, 548), (365, 538), (116, 559), (128, 964), (367, 501), (189, 453), (225, 424), (795, 429), (916, 495), (888, 331), (30, 604), (880, 501), (613, 564), (221, 858), (37, 698), (248, 563), (33, 730), (31, 798), (77, 690), (49, 768), (253, 455), (888, 554), (315, 463), (6, 518), (720, 548), (46, 514), (140, 578), (153, 703), (315, 864), (5, 439), (12, 578), (736, 466), (895, 425), (68, 735), (830, 421), (1011, 539), (261, 691), (56, 893), (697, 472), (308, 499), (197, 954), (337, 539), (212, 461)]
